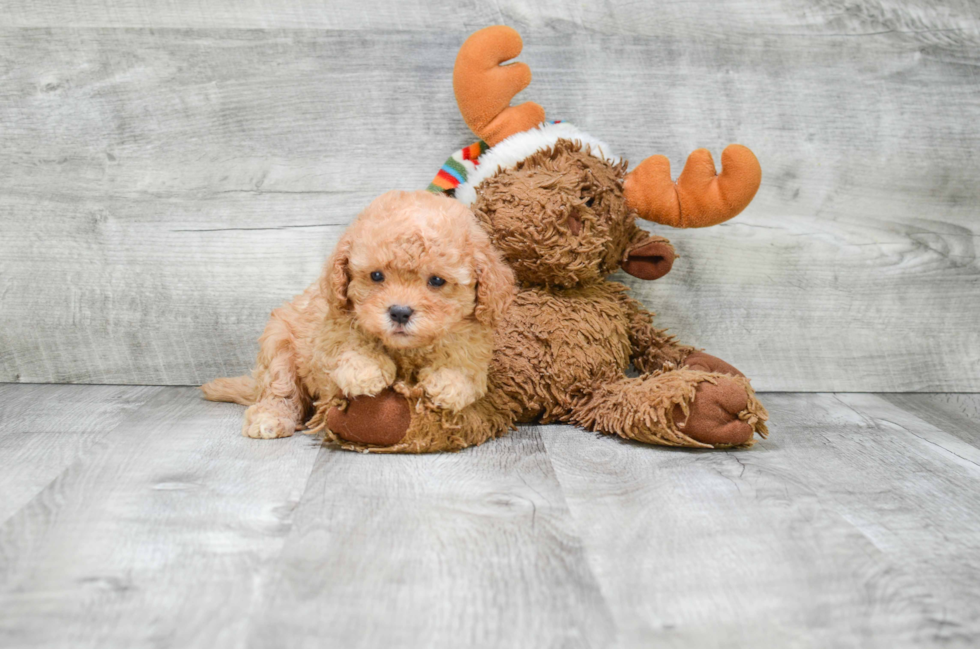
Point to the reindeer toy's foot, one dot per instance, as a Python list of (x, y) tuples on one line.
[(695, 406), (723, 413), (381, 420), (406, 421)]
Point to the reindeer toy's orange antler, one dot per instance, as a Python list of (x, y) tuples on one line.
[(699, 198), (484, 88)]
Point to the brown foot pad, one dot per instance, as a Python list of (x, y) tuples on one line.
[(709, 363), (382, 420), (713, 417)]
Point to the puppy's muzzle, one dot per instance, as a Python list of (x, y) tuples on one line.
[(400, 314)]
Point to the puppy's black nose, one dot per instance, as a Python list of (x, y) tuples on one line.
[(400, 314)]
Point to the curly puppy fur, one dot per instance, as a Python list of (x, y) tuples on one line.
[(408, 299)]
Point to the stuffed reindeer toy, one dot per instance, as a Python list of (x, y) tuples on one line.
[(561, 209)]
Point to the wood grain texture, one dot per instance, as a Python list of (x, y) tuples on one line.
[(951, 21), (957, 414), (161, 535), (46, 428), (471, 549), (855, 524), (855, 268)]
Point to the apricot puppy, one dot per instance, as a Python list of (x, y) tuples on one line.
[(410, 296)]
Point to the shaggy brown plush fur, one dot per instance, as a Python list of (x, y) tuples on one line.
[(562, 350)]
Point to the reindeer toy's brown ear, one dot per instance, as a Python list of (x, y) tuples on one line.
[(699, 198), (648, 256)]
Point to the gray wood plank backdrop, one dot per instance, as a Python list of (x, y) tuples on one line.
[(170, 172)]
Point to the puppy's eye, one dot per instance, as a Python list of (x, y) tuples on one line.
[(590, 202), (377, 276), (435, 281)]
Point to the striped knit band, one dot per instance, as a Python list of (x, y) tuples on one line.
[(457, 168)]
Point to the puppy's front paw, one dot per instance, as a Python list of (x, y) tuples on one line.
[(263, 424), (358, 374), (452, 389)]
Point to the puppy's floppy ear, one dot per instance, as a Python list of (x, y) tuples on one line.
[(495, 284), (336, 276)]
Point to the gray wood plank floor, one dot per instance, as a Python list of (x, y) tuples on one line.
[(139, 517)]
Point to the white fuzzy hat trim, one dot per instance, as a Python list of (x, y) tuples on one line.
[(522, 145)]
